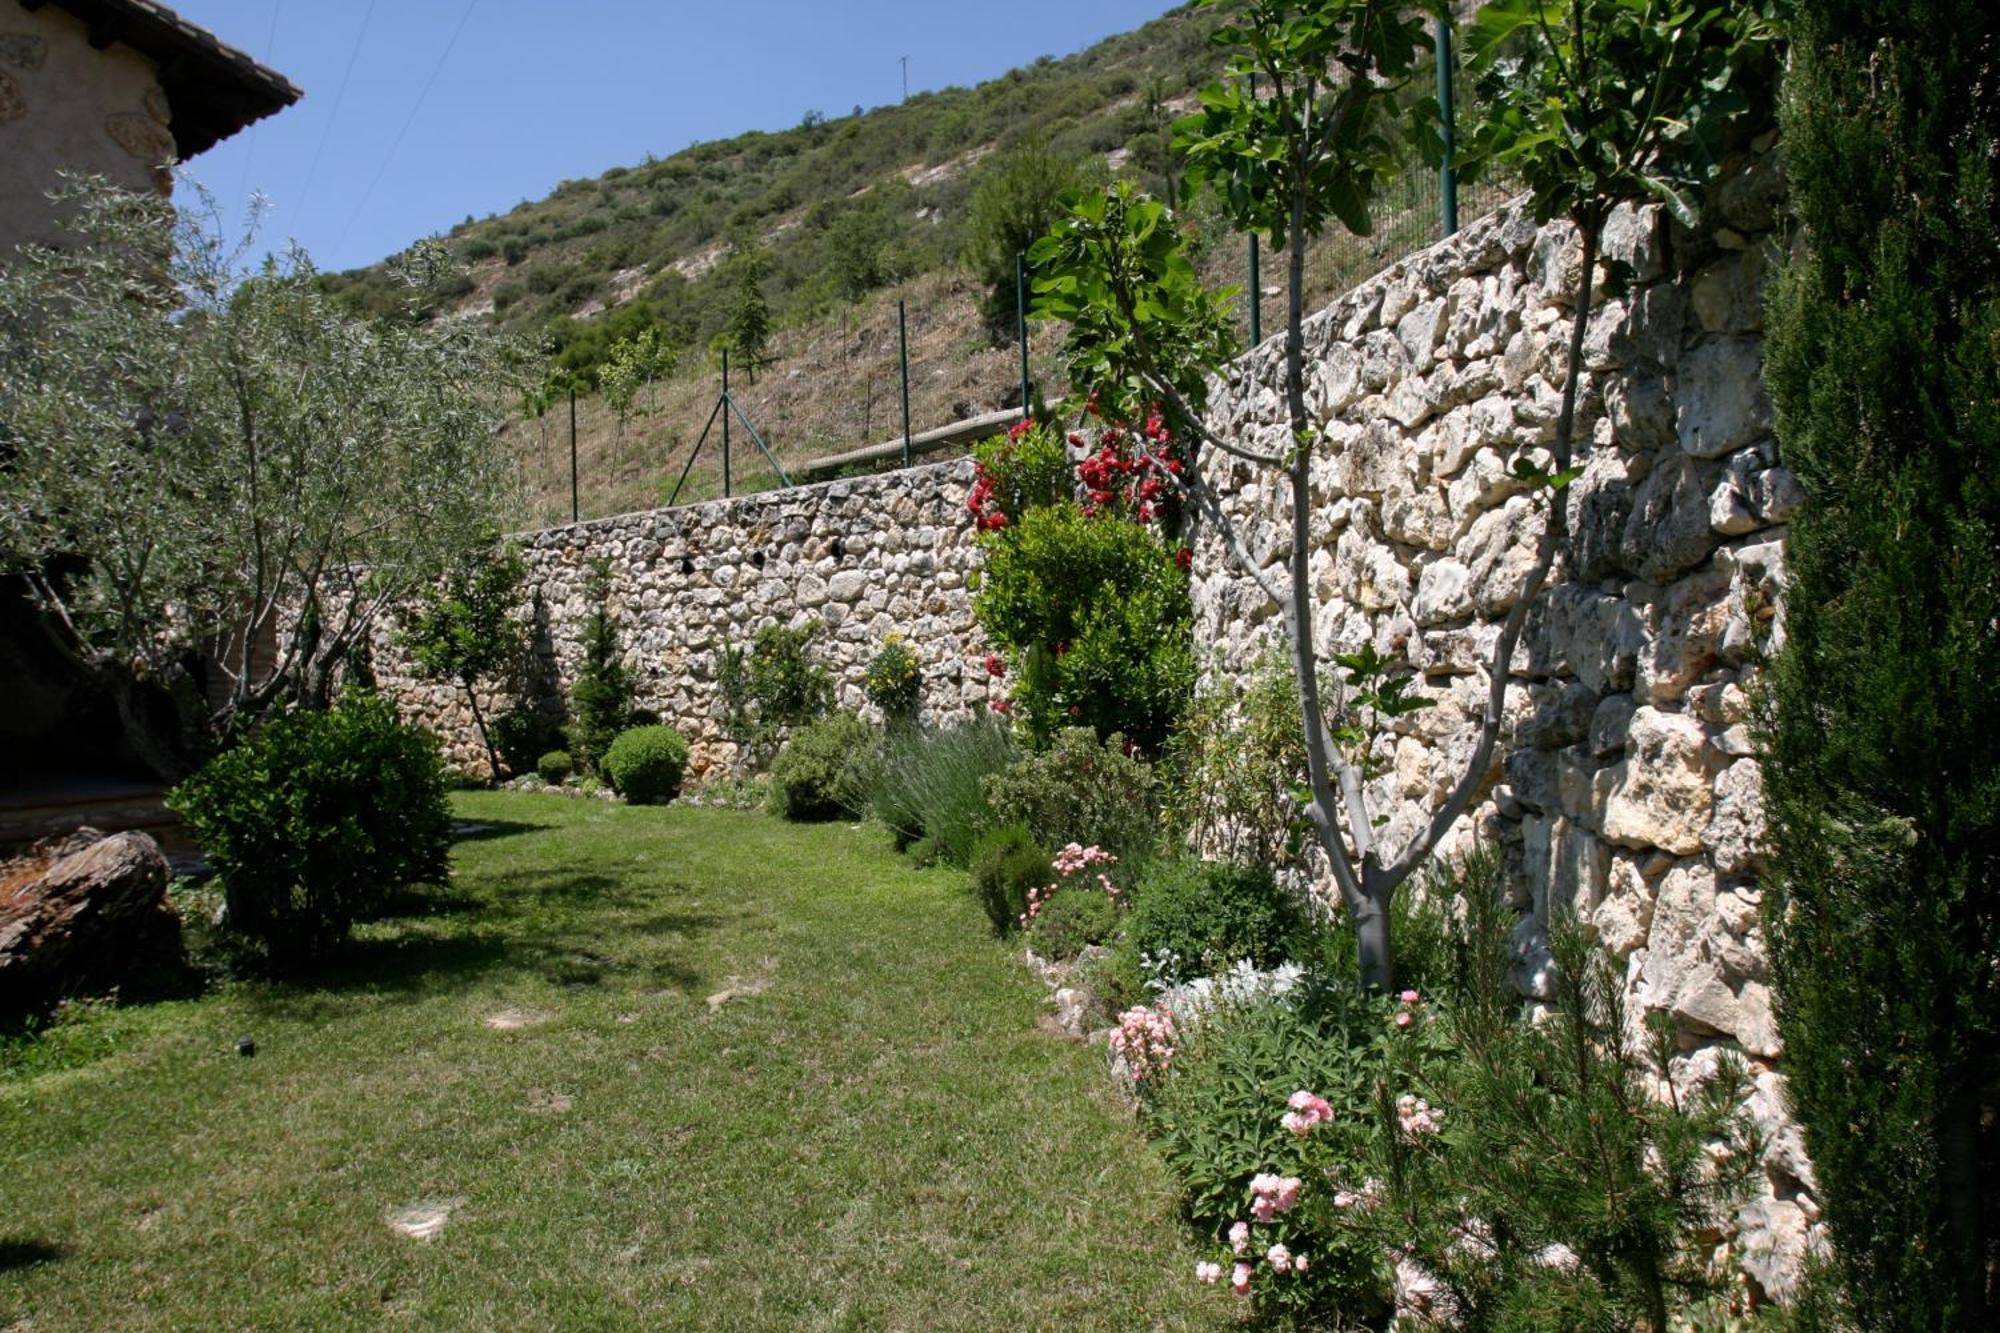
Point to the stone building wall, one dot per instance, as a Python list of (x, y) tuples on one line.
[(68, 106), (1625, 787), (866, 558)]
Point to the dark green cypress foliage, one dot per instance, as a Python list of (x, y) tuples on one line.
[(601, 699), (1883, 769)]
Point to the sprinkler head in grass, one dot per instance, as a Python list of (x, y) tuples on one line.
[(246, 1046)]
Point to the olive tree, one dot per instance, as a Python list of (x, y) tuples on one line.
[(1591, 102), (215, 483)]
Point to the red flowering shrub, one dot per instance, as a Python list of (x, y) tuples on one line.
[(1082, 586)]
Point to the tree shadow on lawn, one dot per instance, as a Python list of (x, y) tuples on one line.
[(21, 1252), (487, 830), (527, 924)]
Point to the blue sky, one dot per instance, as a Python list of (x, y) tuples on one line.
[(444, 115)]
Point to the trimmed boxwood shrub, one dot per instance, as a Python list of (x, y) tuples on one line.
[(555, 767), (315, 821), (825, 770), (1006, 863), (1072, 919), (644, 765), (1198, 916), (1080, 791)]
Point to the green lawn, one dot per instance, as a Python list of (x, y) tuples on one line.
[(880, 1138)]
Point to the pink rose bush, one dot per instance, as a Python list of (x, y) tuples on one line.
[(1145, 1039), (1070, 862)]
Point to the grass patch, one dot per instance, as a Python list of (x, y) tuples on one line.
[(867, 1132)]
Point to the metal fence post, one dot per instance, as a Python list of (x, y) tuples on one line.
[(903, 355), (1447, 181), (1256, 295), (1021, 327), (725, 423), (572, 453)]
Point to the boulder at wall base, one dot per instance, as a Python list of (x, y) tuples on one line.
[(84, 913)]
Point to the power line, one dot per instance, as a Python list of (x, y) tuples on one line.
[(362, 203), (250, 144), (340, 94)]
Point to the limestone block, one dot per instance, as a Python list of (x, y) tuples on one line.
[(1727, 296), (1555, 262), (1500, 550), (1685, 626), (1660, 794), (1632, 236), (1719, 397), (1625, 916), (1421, 330), (1735, 835), (1667, 531)]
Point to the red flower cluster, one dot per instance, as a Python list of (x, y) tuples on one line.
[(995, 665), (982, 495), (1129, 471)]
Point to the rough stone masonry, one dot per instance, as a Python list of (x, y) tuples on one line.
[(1626, 787)]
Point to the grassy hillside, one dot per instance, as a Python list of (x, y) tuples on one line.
[(840, 218)]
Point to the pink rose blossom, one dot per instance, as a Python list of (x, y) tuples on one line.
[(1403, 1019), (1239, 1280), (1298, 1263), (1239, 1238), (1263, 1209), (1279, 1258), (1208, 1271), (1409, 997)]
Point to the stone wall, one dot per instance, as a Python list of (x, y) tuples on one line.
[(866, 558), (65, 105), (1625, 787)]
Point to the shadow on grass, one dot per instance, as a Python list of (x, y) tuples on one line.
[(18, 1252), (486, 830), (566, 928)]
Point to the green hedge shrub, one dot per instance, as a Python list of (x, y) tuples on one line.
[(1193, 917), (1072, 919), (1006, 864), (519, 734), (1095, 616), (644, 765), (1080, 791), (312, 823), (826, 770), (555, 767)]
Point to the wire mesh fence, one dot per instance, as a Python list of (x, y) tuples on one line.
[(829, 399)]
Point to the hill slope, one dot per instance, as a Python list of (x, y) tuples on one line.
[(844, 218)]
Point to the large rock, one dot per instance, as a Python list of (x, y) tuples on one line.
[(1660, 792), (84, 913)]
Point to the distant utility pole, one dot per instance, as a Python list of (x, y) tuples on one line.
[(906, 77)]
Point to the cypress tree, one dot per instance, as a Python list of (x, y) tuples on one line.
[(1883, 764)]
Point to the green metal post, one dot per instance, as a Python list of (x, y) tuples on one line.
[(572, 454), (725, 424), (1256, 295), (903, 355), (1256, 270), (1021, 328), (1447, 181)]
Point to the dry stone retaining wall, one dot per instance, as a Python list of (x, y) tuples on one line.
[(1625, 789), (867, 558)]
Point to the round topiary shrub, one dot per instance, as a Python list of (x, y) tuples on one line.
[(1193, 917), (315, 821), (1006, 864), (644, 765), (1072, 919), (826, 770), (555, 767)]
